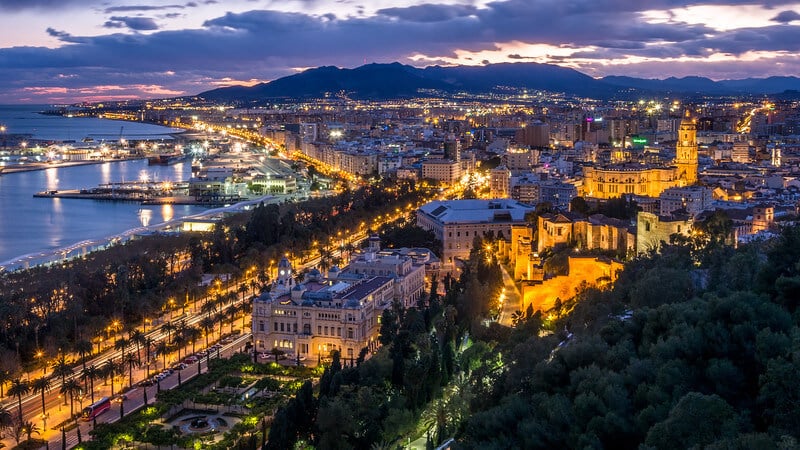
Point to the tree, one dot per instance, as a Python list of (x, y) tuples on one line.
[(18, 388), (162, 348), (42, 386), (131, 361), (169, 327), (62, 370), (90, 374), (71, 388), (138, 338), (276, 352), (84, 349), (29, 428)]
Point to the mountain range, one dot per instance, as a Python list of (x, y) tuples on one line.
[(395, 80)]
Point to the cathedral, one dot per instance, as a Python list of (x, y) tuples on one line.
[(647, 180)]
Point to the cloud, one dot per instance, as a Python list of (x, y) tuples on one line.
[(786, 16), (134, 23), (428, 12), (265, 44), (135, 8)]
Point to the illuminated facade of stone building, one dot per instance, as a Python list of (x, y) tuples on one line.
[(647, 180)]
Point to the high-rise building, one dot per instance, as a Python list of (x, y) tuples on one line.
[(452, 148)]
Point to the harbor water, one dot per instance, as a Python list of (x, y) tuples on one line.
[(30, 225)]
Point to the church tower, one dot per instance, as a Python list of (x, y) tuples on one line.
[(686, 151)]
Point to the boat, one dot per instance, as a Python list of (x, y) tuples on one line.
[(165, 159)]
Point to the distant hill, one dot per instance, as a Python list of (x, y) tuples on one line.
[(395, 80)]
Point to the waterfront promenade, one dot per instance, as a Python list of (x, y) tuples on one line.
[(79, 249)]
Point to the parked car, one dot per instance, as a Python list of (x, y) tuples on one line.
[(190, 359)]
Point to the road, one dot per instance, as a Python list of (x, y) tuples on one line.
[(135, 396), (512, 300)]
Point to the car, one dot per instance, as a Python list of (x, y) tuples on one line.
[(264, 355), (190, 359), (179, 366), (216, 346), (120, 398), (147, 382), (227, 340)]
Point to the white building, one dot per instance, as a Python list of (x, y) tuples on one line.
[(456, 223)]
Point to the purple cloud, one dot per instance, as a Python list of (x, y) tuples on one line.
[(134, 23)]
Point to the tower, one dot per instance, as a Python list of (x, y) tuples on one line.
[(284, 280), (686, 150)]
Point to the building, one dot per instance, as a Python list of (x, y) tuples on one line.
[(652, 229), (499, 182), (643, 179), (456, 223), (692, 199), (442, 170), (594, 232), (342, 311)]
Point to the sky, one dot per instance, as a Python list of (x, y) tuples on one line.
[(65, 51)]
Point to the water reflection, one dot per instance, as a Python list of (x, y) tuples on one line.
[(105, 173), (51, 176), (145, 215), (167, 213)]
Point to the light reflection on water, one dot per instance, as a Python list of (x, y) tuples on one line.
[(30, 224)]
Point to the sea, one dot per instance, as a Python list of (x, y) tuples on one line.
[(31, 225)]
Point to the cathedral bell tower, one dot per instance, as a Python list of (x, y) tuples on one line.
[(686, 151)]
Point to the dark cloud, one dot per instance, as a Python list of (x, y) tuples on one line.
[(266, 44), (428, 12), (786, 16), (134, 23), (135, 8)]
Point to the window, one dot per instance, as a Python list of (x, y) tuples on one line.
[(275, 326), (647, 226), (319, 329), (339, 331), (326, 331), (307, 329), (261, 326), (349, 333), (282, 326), (294, 327)]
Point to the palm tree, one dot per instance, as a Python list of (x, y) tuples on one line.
[(84, 349), (138, 338), (131, 360), (18, 388), (162, 348), (192, 334), (62, 369), (72, 388), (243, 289), (42, 386), (121, 344), (109, 370), (29, 428), (91, 373), (207, 324), (148, 342), (253, 285), (179, 342), (169, 327)]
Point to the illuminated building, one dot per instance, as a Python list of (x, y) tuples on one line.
[(442, 170), (499, 182), (692, 199), (456, 223), (647, 180), (342, 311), (652, 229)]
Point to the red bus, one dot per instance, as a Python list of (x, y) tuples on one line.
[(96, 408)]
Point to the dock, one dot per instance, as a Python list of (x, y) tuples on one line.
[(144, 192)]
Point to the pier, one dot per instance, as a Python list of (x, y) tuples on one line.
[(144, 192)]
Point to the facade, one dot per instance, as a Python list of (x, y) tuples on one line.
[(594, 232), (442, 170), (456, 223), (342, 311), (652, 229), (692, 199), (647, 180), (499, 182)]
